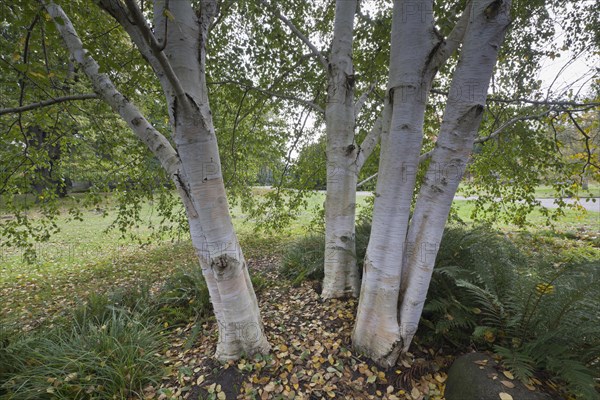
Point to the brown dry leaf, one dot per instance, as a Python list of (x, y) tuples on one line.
[(530, 387), (415, 393), (481, 362), (508, 384), (505, 396)]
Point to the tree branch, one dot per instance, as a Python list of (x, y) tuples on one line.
[(298, 34), (104, 87), (374, 136), (363, 98), (587, 145), (307, 103), (427, 155), (521, 100), (452, 42), (146, 42), (46, 103), (157, 50), (509, 123)]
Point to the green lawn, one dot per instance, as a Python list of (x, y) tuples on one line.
[(548, 192), (85, 258)]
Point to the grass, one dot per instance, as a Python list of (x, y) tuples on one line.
[(85, 262), (83, 256), (548, 192), (106, 348)]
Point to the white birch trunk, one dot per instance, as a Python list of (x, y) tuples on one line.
[(195, 166), (484, 35), (377, 332), (341, 273)]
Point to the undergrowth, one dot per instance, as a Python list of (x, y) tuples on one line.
[(538, 315), (104, 354)]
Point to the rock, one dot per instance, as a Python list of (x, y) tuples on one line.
[(475, 376)]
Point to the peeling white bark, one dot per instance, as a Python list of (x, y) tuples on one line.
[(376, 332), (195, 166), (401, 253), (484, 35), (341, 273)]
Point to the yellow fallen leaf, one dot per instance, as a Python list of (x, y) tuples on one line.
[(505, 396), (508, 384), (508, 374), (221, 396)]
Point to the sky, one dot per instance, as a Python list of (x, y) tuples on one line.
[(578, 72)]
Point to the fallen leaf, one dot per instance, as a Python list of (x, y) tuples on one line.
[(508, 374), (508, 384), (505, 396)]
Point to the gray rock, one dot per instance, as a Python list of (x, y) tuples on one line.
[(473, 378)]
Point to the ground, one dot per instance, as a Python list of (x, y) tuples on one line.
[(311, 357)]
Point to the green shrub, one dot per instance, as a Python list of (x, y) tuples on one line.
[(183, 297), (259, 282), (98, 308), (304, 258), (115, 359)]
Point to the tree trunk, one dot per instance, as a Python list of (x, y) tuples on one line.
[(376, 332), (195, 167), (401, 253), (341, 273), (461, 121)]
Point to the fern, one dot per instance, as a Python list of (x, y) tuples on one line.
[(519, 363), (535, 316)]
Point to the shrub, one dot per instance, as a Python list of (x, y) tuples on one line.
[(304, 258), (183, 297)]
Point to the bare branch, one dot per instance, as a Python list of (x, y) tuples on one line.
[(47, 103), (374, 136), (298, 34), (307, 103), (521, 100), (363, 98), (509, 123), (454, 39), (587, 144), (359, 184)]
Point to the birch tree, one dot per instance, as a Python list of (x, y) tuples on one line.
[(345, 157), (176, 51), (402, 249)]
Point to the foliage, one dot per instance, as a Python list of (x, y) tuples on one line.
[(304, 258), (107, 353), (183, 297), (485, 293)]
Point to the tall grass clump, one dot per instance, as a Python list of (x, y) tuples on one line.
[(183, 298), (114, 355)]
